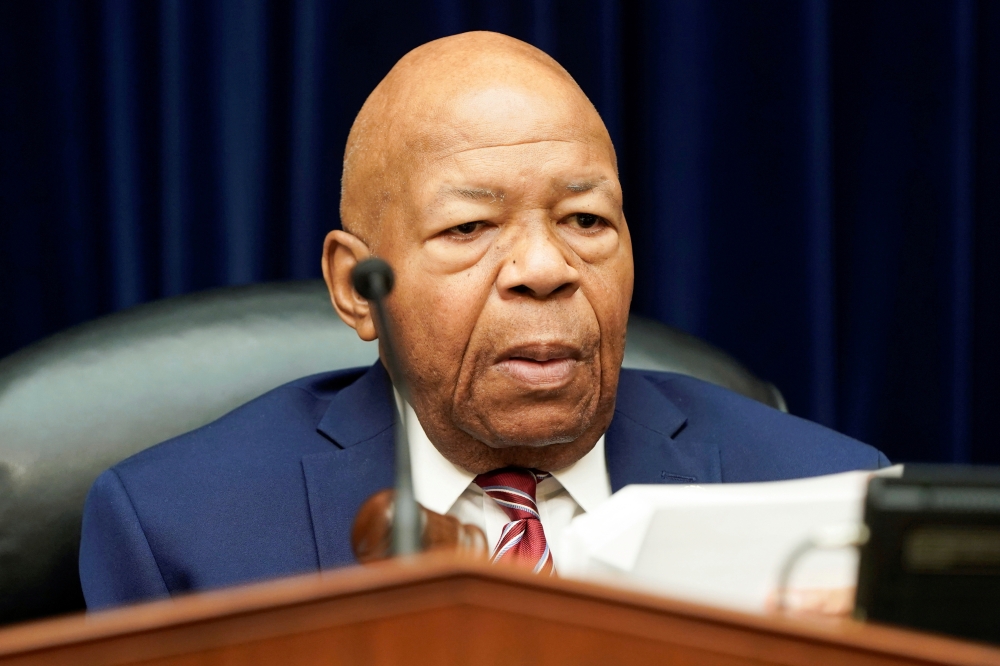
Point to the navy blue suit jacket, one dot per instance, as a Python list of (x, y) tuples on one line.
[(271, 489)]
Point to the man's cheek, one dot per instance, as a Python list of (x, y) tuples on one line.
[(439, 326)]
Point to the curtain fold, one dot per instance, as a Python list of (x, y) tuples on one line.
[(811, 185)]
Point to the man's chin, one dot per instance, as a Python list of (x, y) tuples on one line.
[(500, 442), (532, 431)]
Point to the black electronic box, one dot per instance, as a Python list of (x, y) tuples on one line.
[(932, 559)]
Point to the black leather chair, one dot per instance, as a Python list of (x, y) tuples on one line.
[(80, 401)]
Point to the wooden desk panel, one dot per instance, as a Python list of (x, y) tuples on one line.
[(438, 611)]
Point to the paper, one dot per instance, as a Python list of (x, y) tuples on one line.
[(720, 544)]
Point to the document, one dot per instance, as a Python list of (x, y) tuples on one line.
[(720, 544)]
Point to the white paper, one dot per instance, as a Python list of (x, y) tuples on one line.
[(720, 544)]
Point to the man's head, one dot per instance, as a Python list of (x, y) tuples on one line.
[(481, 172)]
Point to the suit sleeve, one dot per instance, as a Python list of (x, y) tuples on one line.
[(116, 563), (883, 461)]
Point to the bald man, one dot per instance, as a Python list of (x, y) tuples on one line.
[(481, 172)]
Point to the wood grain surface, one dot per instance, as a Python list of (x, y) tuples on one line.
[(439, 609)]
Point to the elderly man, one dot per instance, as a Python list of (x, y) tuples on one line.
[(481, 172)]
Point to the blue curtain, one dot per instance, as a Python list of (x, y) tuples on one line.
[(811, 184)]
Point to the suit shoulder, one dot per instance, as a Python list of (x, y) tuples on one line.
[(222, 504), (755, 441)]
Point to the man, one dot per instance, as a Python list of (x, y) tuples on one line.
[(481, 172)]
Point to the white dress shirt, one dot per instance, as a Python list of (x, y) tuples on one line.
[(446, 488)]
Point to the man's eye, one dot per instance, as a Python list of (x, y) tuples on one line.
[(586, 220), (466, 228)]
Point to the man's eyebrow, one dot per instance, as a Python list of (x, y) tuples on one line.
[(601, 186), (584, 186), (475, 193)]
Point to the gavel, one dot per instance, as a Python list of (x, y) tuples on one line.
[(371, 536)]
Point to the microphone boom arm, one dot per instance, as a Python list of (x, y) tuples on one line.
[(373, 279)]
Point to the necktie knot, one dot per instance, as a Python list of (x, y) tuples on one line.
[(513, 488), (522, 539)]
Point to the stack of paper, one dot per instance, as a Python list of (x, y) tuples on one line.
[(720, 544)]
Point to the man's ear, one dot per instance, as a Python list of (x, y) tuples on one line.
[(341, 253)]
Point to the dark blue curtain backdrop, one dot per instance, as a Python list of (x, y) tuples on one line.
[(811, 184)]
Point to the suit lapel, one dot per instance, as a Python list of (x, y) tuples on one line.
[(646, 442), (359, 421)]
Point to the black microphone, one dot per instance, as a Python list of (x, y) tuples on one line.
[(373, 279)]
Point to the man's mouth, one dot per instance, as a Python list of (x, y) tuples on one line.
[(542, 365)]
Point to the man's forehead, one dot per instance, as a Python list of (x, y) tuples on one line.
[(497, 116), (492, 173)]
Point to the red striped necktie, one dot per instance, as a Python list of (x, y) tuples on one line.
[(522, 539)]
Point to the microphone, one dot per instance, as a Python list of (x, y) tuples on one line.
[(373, 279)]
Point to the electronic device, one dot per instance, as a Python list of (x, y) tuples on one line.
[(932, 559)]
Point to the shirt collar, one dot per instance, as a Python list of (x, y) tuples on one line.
[(438, 483), (587, 480)]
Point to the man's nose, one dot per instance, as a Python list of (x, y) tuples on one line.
[(538, 267)]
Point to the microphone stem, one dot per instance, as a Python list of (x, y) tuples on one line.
[(406, 531)]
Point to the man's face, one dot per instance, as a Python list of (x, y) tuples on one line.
[(514, 275)]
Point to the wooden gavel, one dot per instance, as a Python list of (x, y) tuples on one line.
[(371, 536)]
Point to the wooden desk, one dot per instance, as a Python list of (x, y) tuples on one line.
[(441, 611)]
